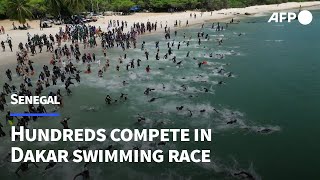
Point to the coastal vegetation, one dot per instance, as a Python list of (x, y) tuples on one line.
[(21, 10)]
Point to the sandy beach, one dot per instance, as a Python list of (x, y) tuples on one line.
[(253, 86), (164, 18)]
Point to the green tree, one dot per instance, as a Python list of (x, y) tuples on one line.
[(159, 5), (18, 10), (99, 5), (54, 6), (22, 9), (3, 7), (144, 4), (122, 5), (37, 7), (76, 6), (104, 5)]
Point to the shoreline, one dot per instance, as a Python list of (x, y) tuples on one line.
[(222, 15)]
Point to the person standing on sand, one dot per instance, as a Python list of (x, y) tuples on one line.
[(2, 30), (10, 44), (3, 47), (41, 25), (13, 26), (8, 37)]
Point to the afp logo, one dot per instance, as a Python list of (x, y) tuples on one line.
[(304, 17)]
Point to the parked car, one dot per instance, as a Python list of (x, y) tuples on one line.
[(57, 22)]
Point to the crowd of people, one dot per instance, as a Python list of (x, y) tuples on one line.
[(67, 52)]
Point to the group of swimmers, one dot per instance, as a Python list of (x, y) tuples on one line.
[(62, 66)]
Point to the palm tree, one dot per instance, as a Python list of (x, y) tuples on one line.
[(18, 10), (76, 5), (55, 6)]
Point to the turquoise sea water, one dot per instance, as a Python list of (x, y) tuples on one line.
[(275, 85)]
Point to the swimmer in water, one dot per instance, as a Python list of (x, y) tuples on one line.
[(6, 88), (148, 69), (148, 90), (179, 108), (161, 143), (1, 105), (124, 96), (108, 99), (109, 147), (50, 165), (141, 118), (124, 83), (232, 122), (138, 62), (69, 92), (2, 133), (184, 87), (100, 73), (244, 175), (24, 167), (64, 123), (78, 79), (9, 74), (265, 130), (85, 174), (153, 99), (174, 59), (190, 112), (203, 110)]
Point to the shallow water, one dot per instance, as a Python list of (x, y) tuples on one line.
[(274, 85)]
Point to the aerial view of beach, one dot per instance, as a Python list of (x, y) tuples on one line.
[(245, 71)]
